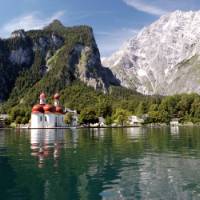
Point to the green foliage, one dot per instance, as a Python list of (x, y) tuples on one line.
[(68, 118), (20, 115), (104, 107), (121, 116), (186, 107), (88, 116), (108, 120), (141, 109), (91, 103)]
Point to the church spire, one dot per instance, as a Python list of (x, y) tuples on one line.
[(42, 98)]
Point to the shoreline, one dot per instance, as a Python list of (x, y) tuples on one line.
[(104, 127)]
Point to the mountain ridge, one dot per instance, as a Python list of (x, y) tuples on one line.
[(49, 60), (147, 61)]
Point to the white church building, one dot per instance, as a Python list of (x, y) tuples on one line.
[(47, 116)]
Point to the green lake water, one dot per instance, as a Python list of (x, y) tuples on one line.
[(92, 164)]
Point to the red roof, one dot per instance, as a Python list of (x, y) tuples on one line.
[(37, 108), (48, 108), (59, 109)]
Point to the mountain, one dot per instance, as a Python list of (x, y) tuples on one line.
[(163, 58), (50, 60)]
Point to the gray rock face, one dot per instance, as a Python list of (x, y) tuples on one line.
[(56, 40), (186, 78), (63, 53), (163, 58), (18, 33), (43, 44), (88, 68), (20, 56)]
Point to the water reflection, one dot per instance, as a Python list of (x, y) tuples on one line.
[(109, 164), (74, 133), (174, 130), (157, 177), (135, 133), (46, 143), (2, 138), (2, 143), (97, 133)]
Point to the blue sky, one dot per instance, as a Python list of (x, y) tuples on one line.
[(113, 21)]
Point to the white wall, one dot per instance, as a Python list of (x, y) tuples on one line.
[(49, 120), (60, 120), (37, 120)]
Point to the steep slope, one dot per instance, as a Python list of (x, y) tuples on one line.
[(50, 60), (186, 77), (162, 58)]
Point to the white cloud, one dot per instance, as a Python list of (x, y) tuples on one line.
[(28, 22), (109, 42), (145, 7)]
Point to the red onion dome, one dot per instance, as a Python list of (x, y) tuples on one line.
[(56, 96), (48, 108), (42, 95), (59, 109), (38, 108)]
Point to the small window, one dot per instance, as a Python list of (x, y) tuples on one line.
[(40, 118), (56, 122), (45, 118)]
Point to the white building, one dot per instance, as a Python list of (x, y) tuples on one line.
[(102, 122), (47, 116), (174, 122), (135, 121)]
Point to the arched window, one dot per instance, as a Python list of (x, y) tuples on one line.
[(45, 118)]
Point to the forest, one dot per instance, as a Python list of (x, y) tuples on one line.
[(117, 104)]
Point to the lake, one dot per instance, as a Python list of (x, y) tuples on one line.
[(92, 164)]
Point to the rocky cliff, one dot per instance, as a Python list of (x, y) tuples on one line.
[(50, 60), (163, 58)]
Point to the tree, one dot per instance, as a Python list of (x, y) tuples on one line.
[(121, 116), (24, 120), (108, 120), (164, 117), (68, 118), (153, 107), (18, 120), (88, 116), (141, 109), (169, 105), (154, 117), (104, 108), (15, 112)]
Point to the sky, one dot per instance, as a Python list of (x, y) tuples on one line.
[(113, 21)]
